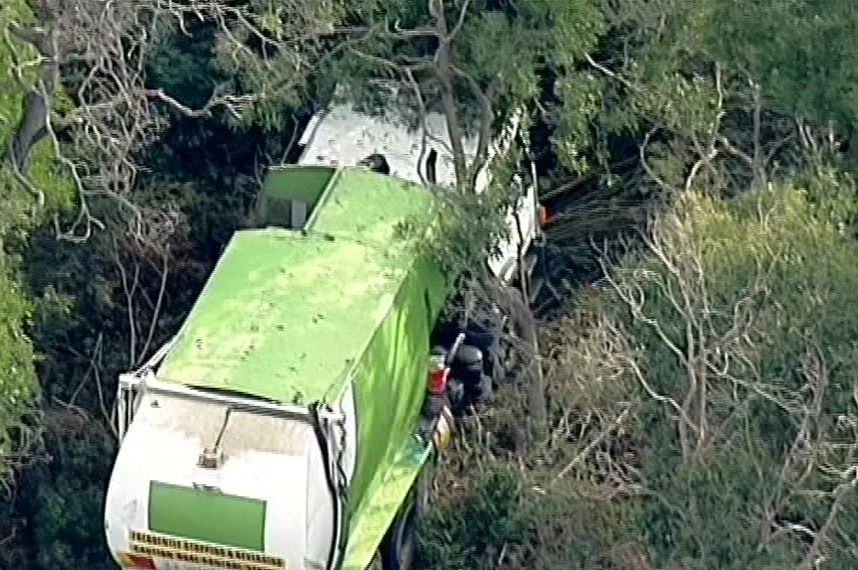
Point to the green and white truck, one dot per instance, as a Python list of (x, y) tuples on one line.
[(293, 420)]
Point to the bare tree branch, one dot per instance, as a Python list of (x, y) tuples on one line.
[(117, 113)]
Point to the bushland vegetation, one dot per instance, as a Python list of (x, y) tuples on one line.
[(697, 400)]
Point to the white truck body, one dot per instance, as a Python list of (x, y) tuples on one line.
[(171, 424)]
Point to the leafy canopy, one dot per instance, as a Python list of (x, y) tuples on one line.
[(18, 383), (740, 327)]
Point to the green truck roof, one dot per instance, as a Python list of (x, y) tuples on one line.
[(287, 312)]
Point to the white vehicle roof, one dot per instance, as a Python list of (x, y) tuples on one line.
[(342, 135)]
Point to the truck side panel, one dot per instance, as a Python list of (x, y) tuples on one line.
[(389, 385)]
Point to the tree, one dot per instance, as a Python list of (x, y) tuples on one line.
[(467, 59), (702, 403), (691, 95), (102, 53), (715, 92), (18, 383), (734, 328)]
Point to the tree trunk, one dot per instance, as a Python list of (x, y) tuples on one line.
[(524, 326), (444, 72)]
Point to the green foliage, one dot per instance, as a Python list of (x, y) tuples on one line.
[(500, 50), (466, 227), (764, 285), (488, 517), (19, 390), (18, 384), (494, 513), (274, 60), (752, 297), (64, 497), (43, 170), (804, 53), (187, 66), (715, 81)]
